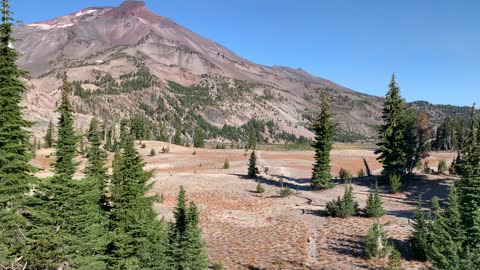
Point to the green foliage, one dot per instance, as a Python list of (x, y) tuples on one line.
[(217, 266), (68, 226), (65, 164), (324, 129), (421, 231), (343, 207), (395, 260), (49, 135), (447, 235), (345, 175), (199, 138), (468, 164), (96, 155), (152, 152), (395, 183), (361, 173), (187, 249), (14, 140), (177, 138), (252, 138), (139, 240), (260, 188), (374, 206), (226, 164), (398, 147), (442, 167), (376, 245), (252, 166)]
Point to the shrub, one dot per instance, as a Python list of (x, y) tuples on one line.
[(343, 207), (361, 173), (442, 167), (265, 170), (374, 206), (260, 188), (426, 169), (218, 266), (345, 175), (152, 153), (395, 259), (375, 245), (395, 183), (285, 191), (226, 164), (165, 150), (143, 145), (194, 152)]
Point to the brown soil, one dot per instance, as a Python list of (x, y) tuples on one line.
[(263, 231)]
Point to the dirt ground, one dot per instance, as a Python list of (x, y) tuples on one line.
[(246, 230)]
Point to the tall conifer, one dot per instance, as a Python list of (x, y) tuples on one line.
[(140, 239), (324, 129), (14, 140)]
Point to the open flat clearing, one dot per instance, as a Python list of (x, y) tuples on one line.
[(247, 230)]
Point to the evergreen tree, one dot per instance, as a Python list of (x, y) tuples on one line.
[(49, 135), (96, 155), (398, 148), (69, 229), (469, 205), (447, 236), (187, 249), (14, 139), (139, 238), (469, 163), (343, 207), (177, 138), (252, 138), (420, 235), (376, 244), (324, 130), (374, 206), (199, 138), (65, 164), (252, 165)]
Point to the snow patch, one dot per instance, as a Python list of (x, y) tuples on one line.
[(85, 12), (43, 26)]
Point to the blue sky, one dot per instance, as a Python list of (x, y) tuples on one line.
[(432, 45)]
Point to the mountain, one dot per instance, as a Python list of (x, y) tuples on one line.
[(127, 61)]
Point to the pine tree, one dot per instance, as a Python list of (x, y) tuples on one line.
[(187, 249), (252, 138), (96, 155), (396, 146), (421, 231), (324, 130), (177, 138), (376, 244), (69, 228), (65, 164), (14, 139), (252, 165), (199, 138), (469, 205), (469, 163), (345, 206), (374, 206), (447, 236), (139, 238), (49, 135)]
